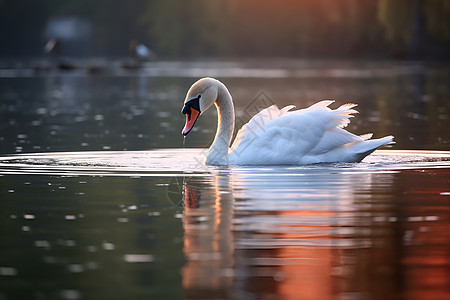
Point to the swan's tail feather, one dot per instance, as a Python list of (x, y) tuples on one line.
[(362, 149), (373, 144)]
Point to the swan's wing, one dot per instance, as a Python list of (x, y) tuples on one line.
[(340, 115), (258, 121), (284, 136), (334, 121)]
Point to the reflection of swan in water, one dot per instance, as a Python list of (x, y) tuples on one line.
[(208, 238), (275, 136), (304, 237)]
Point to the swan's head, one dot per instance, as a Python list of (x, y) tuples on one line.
[(201, 96)]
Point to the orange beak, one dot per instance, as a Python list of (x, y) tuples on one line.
[(191, 117)]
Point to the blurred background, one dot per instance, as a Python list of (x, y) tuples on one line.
[(111, 75), (406, 29)]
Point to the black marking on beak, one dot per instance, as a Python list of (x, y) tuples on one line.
[(194, 103)]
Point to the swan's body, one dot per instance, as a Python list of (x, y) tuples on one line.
[(273, 136)]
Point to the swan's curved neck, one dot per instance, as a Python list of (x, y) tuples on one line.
[(218, 152)]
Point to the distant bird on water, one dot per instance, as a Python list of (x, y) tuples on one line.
[(278, 136), (52, 46), (140, 51)]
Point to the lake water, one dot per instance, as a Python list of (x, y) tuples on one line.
[(99, 199)]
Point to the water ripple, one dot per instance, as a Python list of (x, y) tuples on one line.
[(178, 162)]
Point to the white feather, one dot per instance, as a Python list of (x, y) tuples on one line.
[(305, 136)]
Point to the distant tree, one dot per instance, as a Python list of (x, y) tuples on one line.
[(234, 28), (437, 14), (181, 28), (409, 23)]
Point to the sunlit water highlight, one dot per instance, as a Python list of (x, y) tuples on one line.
[(178, 162)]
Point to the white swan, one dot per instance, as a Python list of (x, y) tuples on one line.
[(274, 136)]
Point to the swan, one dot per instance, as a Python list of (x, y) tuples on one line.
[(277, 136)]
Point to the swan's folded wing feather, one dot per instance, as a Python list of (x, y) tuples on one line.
[(258, 121), (286, 136), (281, 140), (366, 136), (320, 105)]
